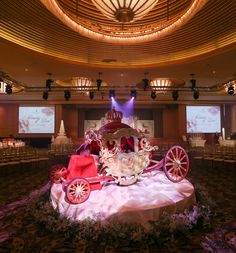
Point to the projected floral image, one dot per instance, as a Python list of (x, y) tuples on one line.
[(36, 119), (203, 119)]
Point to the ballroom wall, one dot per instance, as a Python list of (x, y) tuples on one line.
[(9, 122), (169, 120)]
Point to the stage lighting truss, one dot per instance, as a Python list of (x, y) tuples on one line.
[(100, 90), (94, 93)]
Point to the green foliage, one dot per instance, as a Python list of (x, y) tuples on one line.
[(168, 229)]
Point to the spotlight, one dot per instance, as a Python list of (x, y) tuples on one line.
[(153, 94), (145, 83), (133, 94), (8, 89), (91, 94), (112, 94), (45, 95), (193, 82), (231, 89), (99, 83), (196, 94), (49, 84), (67, 95), (175, 95)]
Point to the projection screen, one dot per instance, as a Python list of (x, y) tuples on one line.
[(36, 119), (203, 119)]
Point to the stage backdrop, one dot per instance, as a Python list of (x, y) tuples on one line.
[(146, 126)]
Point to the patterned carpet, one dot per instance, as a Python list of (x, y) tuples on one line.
[(19, 231)]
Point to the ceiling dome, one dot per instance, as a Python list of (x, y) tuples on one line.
[(208, 33), (125, 11), (98, 21)]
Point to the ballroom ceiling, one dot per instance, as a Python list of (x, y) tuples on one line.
[(35, 42)]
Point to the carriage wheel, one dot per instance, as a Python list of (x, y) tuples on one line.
[(78, 190), (57, 174), (176, 164)]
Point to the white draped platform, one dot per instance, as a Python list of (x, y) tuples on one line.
[(146, 200)]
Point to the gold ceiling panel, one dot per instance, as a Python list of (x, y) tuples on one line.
[(152, 26), (163, 14), (30, 24)]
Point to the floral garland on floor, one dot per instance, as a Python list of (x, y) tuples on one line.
[(170, 228)]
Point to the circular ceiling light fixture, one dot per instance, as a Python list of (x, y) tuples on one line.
[(161, 85), (122, 22), (81, 82), (124, 11), (78, 82)]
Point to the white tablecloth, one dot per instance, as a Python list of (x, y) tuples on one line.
[(146, 200)]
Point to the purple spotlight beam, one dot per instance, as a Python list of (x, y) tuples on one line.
[(127, 108)]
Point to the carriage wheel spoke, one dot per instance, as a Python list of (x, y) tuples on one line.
[(176, 164), (181, 152), (78, 191), (56, 173), (184, 169), (170, 159), (169, 164), (182, 158), (176, 153), (172, 154), (170, 170), (180, 172), (174, 174)]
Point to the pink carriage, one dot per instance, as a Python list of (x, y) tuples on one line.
[(124, 155)]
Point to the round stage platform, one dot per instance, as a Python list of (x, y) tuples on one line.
[(141, 202)]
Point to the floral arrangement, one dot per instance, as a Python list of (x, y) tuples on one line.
[(167, 230)]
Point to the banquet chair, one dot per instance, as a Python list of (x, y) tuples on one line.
[(3, 167)]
